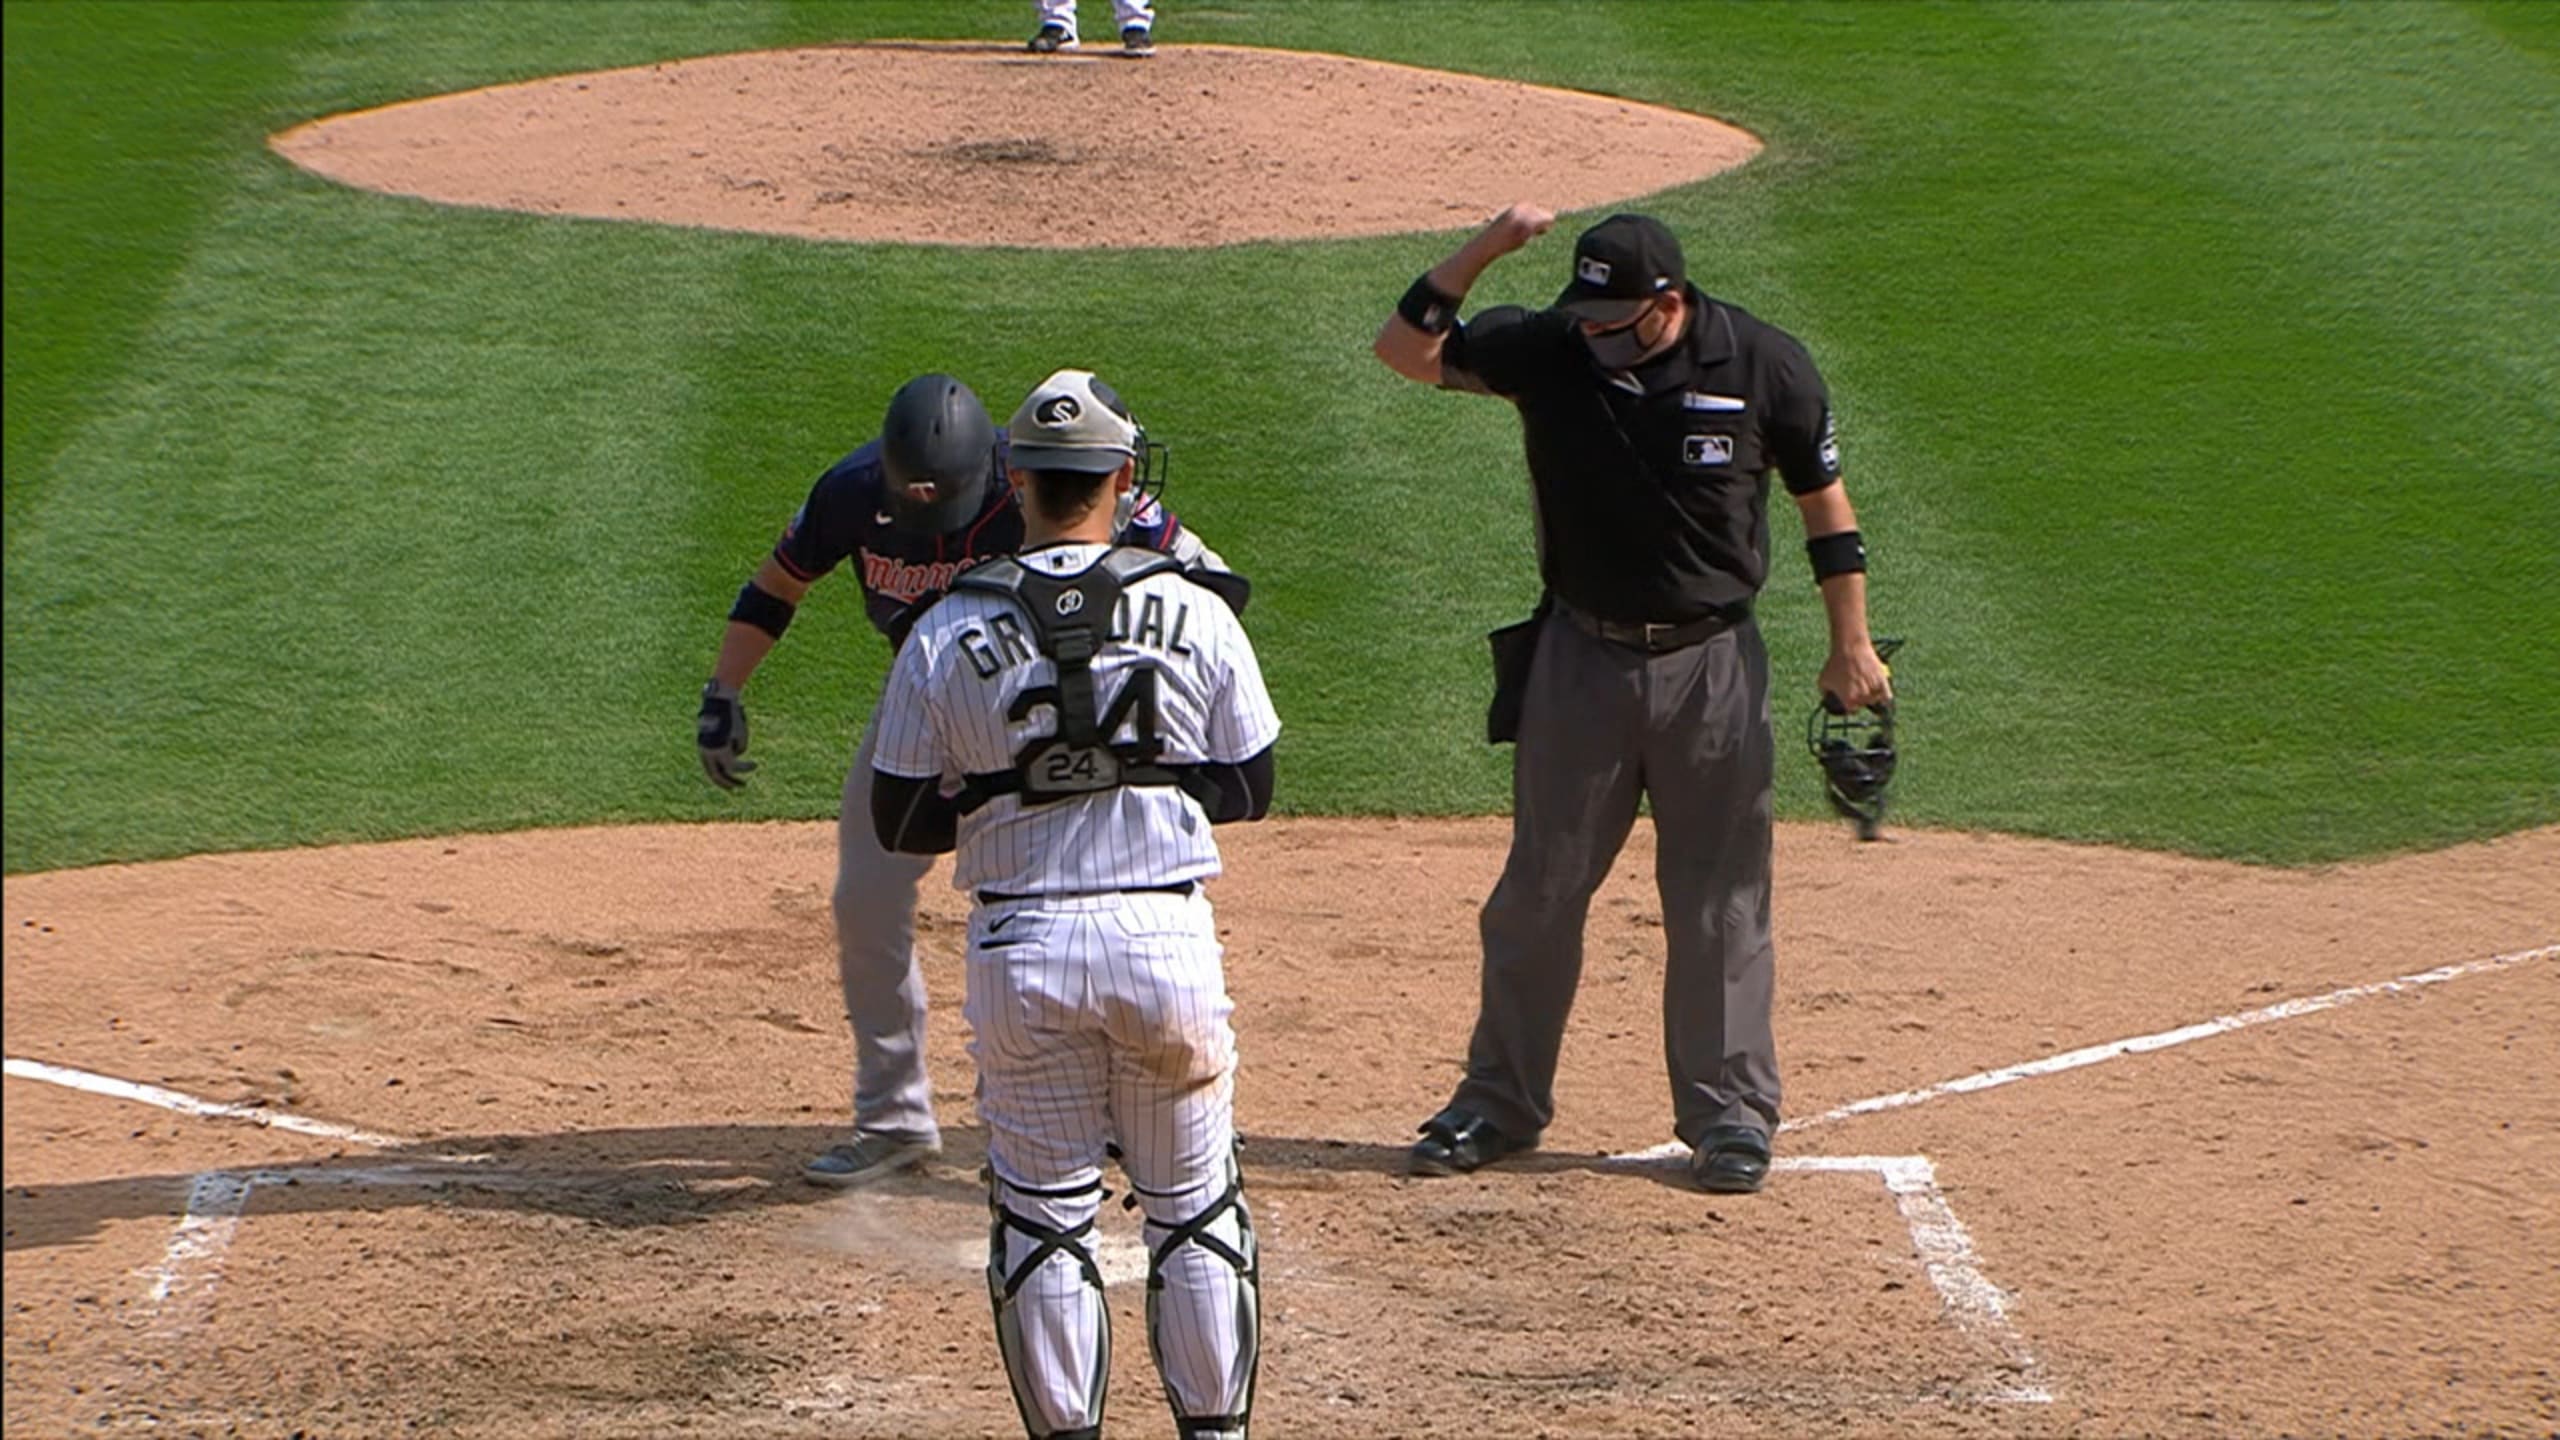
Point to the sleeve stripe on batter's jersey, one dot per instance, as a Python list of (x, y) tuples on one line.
[(782, 557)]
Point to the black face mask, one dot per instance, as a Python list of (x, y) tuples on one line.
[(1621, 348)]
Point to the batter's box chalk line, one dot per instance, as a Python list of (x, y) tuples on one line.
[(1979, 1308), (181, 1285)]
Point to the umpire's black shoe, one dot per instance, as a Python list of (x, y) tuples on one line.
[(1731, 1160), (1456, 1141)]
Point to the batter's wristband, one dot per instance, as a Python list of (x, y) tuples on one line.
[(1426, 309), (763, 609), (1844, 553)]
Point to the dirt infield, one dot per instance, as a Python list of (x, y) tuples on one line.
[(2330, 1221), (985, 145)]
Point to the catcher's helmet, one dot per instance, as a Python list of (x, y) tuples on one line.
[(938, 452), (1076, 421), (1856, 754)]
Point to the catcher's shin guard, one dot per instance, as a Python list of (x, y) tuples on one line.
[(1052, 1325), (1204, 1307)]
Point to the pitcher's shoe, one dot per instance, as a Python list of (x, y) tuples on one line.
[(1052, 39), (870, 1155), (1138, 40)]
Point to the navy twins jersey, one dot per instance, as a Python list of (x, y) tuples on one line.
[(847, 516)]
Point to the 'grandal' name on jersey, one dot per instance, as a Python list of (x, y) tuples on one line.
[(1006, 641)]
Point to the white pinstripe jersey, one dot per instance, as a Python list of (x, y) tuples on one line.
[(943, 711)]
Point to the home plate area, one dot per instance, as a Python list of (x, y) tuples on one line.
[(337, 1295)]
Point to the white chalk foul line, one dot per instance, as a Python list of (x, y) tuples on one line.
[(185, 1104), (2143, 1044), (1978, 1307)]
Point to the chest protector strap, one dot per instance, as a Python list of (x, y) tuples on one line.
[(1071, 618)]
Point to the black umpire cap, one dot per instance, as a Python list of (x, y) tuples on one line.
[(1619, 265)]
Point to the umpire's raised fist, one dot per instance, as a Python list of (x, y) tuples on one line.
[(720, 733), (1520, 224)]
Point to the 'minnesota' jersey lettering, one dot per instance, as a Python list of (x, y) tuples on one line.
[(847, 516)]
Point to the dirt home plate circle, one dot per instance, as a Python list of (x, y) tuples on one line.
[(973, 144)]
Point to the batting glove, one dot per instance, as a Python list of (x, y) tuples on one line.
[(721, 735)]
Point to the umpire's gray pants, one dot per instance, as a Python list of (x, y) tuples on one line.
[(875, 904), (1600, 725)]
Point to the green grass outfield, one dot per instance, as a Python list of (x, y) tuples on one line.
[(2196, 368)]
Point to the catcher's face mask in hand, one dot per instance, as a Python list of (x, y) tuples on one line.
[(1856, 753)]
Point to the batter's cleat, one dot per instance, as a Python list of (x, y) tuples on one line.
[(1455, 1142), (1731, 1160), (869, 1156), (1138, 40), (1052, 39)]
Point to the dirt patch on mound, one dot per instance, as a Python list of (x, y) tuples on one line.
[(2333, 1222), (984, 145)]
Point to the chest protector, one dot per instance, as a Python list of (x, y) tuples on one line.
[(1071, 618)]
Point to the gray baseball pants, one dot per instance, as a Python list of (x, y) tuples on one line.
[(875, 905), (1602, 724)]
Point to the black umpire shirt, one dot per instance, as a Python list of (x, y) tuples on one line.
[(1653, 486)]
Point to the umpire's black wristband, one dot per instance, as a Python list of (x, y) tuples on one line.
[(763, 609), (1426, 309), (1844, 553)]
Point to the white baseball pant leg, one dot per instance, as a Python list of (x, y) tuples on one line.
[(1124, 13), (1103, 1019), (884, 1000)]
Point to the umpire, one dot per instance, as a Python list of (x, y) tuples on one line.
[(1652, 414)]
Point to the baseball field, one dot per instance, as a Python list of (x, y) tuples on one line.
[(403, 1037)]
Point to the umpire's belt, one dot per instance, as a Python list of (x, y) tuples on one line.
[(1179, 887), (1657, 638)]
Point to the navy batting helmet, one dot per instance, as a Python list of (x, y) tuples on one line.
[(938, 452)]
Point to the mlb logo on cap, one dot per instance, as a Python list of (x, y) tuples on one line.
[(1619, 265)]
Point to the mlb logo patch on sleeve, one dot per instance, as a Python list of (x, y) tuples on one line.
[(1706, 450)]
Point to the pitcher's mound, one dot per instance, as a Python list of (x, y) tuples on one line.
[(983, 145)]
